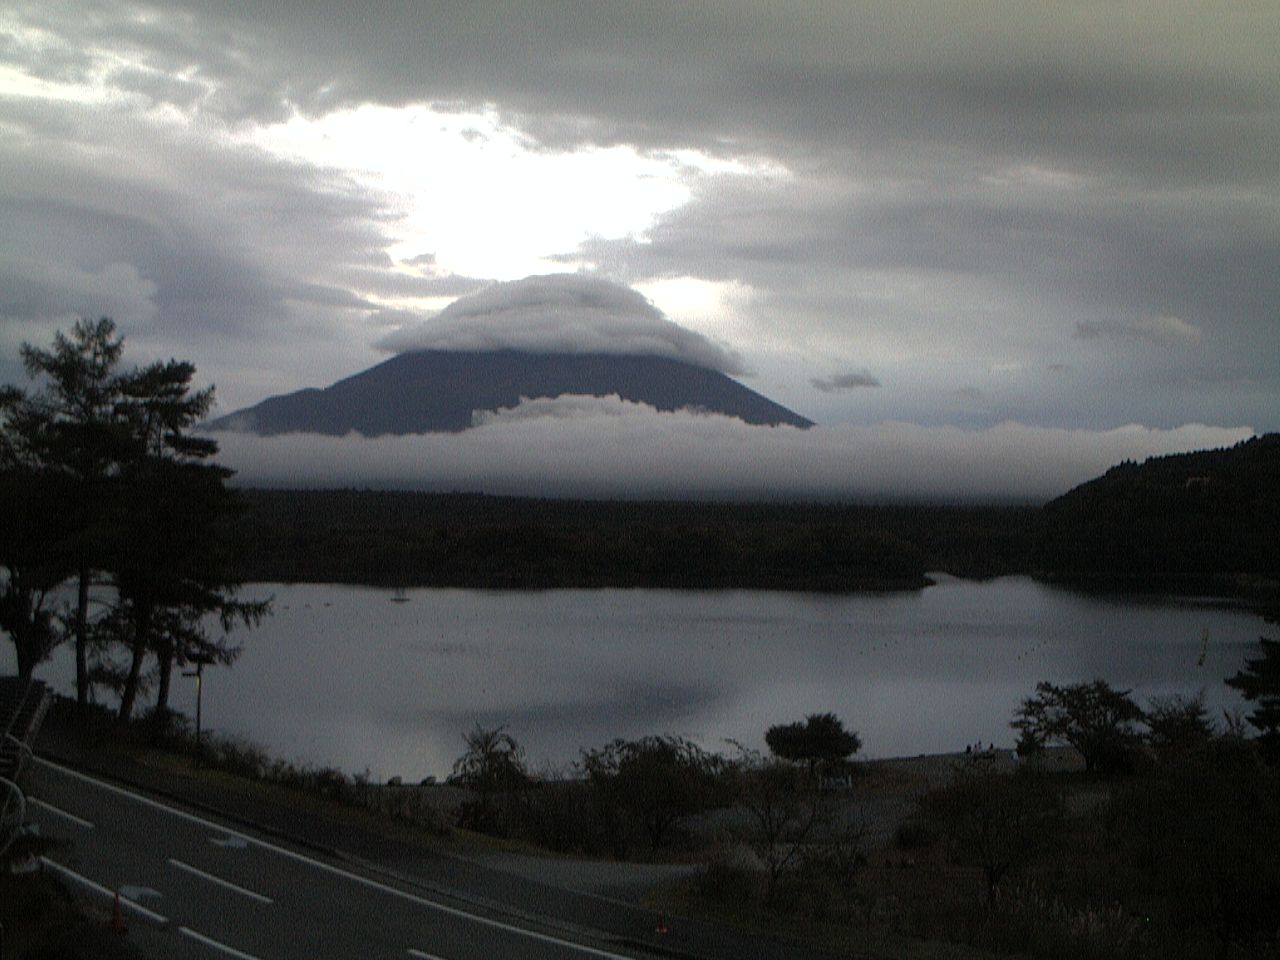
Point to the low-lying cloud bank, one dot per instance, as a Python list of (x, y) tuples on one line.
[(609, 448), (561, 313)]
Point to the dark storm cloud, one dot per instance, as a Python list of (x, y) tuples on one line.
[(973, 192), (1026, 79)]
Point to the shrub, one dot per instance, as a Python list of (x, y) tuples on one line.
[(493, 767), (821, 741), (1176, 725), (1259, 683), (994, 821), (1199, 837), (647, 788), (1092, 717), (915, 834)]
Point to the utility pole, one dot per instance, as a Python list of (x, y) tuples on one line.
[(200, 660)]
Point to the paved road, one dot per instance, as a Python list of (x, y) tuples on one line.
[(194, 887)]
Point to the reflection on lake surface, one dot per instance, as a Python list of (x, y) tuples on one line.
[(342, 676)]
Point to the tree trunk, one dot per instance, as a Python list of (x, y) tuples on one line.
[(164, 657), (141, 627), (82, 639), (26, 662)]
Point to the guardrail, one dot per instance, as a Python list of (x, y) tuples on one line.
[(13, 813), (24, 707)]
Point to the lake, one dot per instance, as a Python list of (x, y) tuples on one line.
[(344, 676)]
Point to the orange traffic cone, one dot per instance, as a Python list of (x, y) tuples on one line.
[(662, 925), (117, 918)]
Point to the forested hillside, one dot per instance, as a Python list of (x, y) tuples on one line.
[(1199, 521), (1210, 518)]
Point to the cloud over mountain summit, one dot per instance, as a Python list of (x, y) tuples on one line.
[(561, 313)]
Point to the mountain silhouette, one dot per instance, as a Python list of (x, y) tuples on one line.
[(438, 391)]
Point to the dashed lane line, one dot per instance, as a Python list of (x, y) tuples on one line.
[(211, 878), (215, 944), (58, 811), (131, 905)]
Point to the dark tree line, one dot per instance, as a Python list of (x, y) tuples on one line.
[(422, 539), (108, 487)]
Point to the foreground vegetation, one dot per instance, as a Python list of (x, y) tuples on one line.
[(1162, 844), (1159, 842)]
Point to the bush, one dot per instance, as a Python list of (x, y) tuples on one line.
[(493, 767), (821, 741), (915, 834), (645, 789), (730, 879), (1259, 683), (997, 822), (558, 813), (1176, 725), (1027, 920), (1199, 836), (1092, 717)]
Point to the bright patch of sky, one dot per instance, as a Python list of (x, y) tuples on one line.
[(712, 307), (479, 196)]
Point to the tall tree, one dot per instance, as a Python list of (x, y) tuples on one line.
[(139, 500), (72, 427), (34, 562), (170, 568), (33, 534), (1259, 683)]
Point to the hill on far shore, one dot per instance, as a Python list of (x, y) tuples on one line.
[(1187, 517)]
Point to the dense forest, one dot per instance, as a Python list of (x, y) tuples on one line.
[(1199, 521), (1205, 520), (417, 539)]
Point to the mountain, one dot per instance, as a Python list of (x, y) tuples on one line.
[(436, 391), (1191, 518)]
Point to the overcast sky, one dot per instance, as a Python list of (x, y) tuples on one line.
[(1060, 216)]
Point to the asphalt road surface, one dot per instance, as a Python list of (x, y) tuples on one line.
[(192, 887)]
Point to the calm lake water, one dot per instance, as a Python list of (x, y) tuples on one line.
[(344, 676)]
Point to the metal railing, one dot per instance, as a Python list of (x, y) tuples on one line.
[(13, 813)]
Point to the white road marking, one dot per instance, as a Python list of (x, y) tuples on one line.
[(196, 871), (229, 843), (216, 945), (338, 871), (78, 821), (137, 893), (423, 956), (110, 894)]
